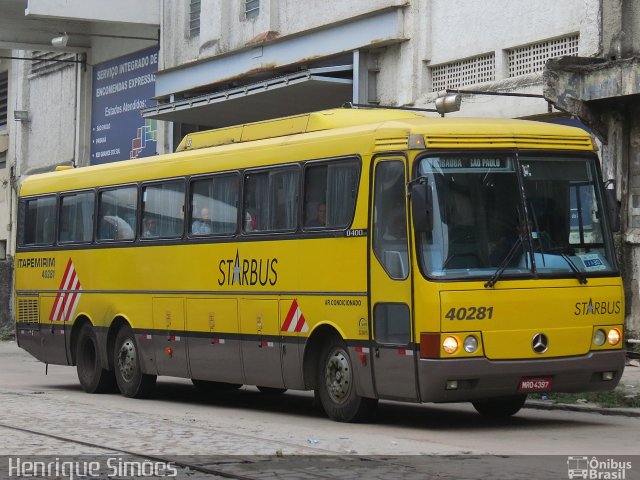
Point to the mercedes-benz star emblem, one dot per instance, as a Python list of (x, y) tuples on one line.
[(540, 343)]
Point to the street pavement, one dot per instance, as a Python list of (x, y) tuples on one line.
[(245, 434)]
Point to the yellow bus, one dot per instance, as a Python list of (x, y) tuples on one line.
[(364, 254)]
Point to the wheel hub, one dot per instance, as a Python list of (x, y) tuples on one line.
[(338, 376), (127, 360)]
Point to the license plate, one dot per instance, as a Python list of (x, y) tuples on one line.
[(535, 384)]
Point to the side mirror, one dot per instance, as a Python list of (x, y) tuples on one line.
[(613, 209), (422, 206)]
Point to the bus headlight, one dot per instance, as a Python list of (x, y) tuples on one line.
[(614, 337), (599, 337), (470, 344), (450, 345)]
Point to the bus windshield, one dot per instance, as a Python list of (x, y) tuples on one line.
[(523, 215)]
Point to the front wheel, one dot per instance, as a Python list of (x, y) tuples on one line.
[(336, 388), (500, 407), (93, 378), (131, 381)]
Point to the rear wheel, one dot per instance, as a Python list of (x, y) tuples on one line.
[(131, 381), (500, 407), (336, 385), (93, 378)]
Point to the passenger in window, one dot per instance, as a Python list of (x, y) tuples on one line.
[(150, 228), (321, 217), (107, 229), (202, 224), (250, 222)]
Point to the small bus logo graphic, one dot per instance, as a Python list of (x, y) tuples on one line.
[(578, 467)]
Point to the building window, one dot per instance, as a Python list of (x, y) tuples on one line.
[(532, 58), (463, 72), (251, 8), (4, 98), (3, 160), (194, 18)]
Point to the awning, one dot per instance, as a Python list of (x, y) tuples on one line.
[(300, 92)]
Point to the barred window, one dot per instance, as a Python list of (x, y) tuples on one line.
[(47, 62), (251, 8), (463, 72), (194, 18), (532, 58), (4, 98)]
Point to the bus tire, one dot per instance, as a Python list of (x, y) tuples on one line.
[(208, 386), (93, 378), (126, 362), (335, 385), (500, 407)]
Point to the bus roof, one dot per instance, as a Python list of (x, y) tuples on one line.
[(309, 122), (383, 129)]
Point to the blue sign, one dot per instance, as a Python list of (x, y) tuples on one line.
[(121, 88)]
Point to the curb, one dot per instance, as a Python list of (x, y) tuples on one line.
[(546, 405)]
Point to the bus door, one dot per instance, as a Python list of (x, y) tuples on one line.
[(261, 342), (169, 342), (393, 353)]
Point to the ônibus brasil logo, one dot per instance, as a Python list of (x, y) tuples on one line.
[(597, 469)]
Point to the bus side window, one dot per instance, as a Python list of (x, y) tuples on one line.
[(39, 221), (214, 203), (76, 217), (330, 194), (271, 200), (117, 213), (163, 203)]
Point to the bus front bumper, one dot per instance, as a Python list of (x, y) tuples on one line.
[(481, 378)]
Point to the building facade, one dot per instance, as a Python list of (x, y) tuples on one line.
[(223, 62), (604, 92)]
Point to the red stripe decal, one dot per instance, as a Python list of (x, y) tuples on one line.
[(66, 299), (300, 323), (289, 317)]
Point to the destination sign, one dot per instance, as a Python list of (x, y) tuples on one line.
[(467, 164)]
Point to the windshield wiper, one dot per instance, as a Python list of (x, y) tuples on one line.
[(582, 278), (504, 264)]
